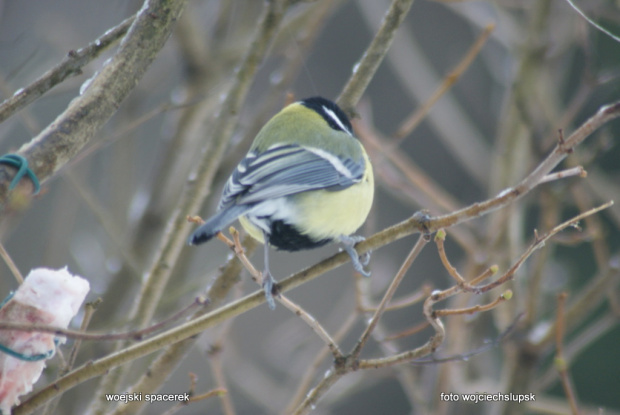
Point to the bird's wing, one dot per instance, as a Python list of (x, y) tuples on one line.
[(287, 169)]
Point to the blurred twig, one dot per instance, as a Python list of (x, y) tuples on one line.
[(387, 297), (364, 71), (89, 310), (560, 363), (10, 264), (105, 219), (81, 335), (310, 373), (417, 116), (214, 356), (70, 66)]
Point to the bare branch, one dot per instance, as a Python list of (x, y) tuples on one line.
[(64, 138), (71, 66), (413, 254), (373, 56), (560, 363)]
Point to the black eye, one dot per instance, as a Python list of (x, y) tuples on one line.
[(331, 113)]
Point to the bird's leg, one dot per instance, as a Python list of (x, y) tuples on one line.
[(268, 280), (358, 262)]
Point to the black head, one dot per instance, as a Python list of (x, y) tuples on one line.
[(331, 113)]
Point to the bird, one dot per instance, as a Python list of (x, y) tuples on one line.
[(306, 181)]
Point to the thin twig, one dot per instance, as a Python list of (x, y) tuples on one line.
[(560, 363), (106, 220), (416, 117), (310, 372), (408, 301), (89, 310), (537, 243), (81, 335), (574, 171), (466, 356), (409, 332), (413, 254), (475, 309), (312, 397), (440, 237), (313, 323), (217, 368), (195, 398), (296, 309), (488, 273), (9, 263), (70, 66)]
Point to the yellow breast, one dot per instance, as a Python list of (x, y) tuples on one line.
[(324, 214), (327, 215)]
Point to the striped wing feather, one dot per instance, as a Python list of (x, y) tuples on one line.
[(285, 170)]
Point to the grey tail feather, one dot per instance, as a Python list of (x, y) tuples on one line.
[(216, 223)]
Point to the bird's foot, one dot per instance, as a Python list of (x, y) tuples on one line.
[(269, 287), (359, 261)]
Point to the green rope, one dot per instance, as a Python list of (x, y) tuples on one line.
[(27, 357), (21, 164), (22, 356)]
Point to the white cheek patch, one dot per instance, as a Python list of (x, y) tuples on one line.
[(337, 120)]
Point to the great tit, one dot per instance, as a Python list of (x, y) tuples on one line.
[(306, 181)]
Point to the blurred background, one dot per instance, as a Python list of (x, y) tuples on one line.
[(543, 68)]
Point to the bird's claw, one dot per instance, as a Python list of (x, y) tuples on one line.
[(268, 285), (359, 261)]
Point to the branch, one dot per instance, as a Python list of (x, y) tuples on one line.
[(199, 183), (70, 66), (412, 121), (101, 96), (560, 362), (417, 223), (538, 242), (257, 276), (421, 223), (199, 301), (413, 254), (161, 367), (374, 55), (11, 264), (231, 310)]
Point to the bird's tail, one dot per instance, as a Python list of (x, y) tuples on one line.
[(215, 224)]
